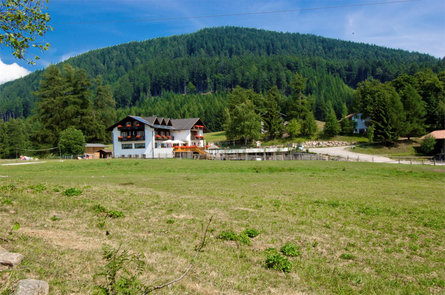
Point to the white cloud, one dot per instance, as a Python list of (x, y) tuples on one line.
[(11, 72)]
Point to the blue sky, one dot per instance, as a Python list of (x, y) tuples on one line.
[(83, 25)]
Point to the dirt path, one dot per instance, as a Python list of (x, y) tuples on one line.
[(23, 163), (344, 152)]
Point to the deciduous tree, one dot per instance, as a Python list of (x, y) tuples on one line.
[(22, 24), (72, 141)]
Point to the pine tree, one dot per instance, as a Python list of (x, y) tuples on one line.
[(331, 127), (104, 108), (65, 102), (346, 125), (298, 105), (273, 122), (308, 126), (242, 121), (381, 103), (50, 106), (414, 107), (293, 128)]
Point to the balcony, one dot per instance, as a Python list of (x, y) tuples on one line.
[(164, 137), (131, 138), (137, 127)]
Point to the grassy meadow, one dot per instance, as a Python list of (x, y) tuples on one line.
[(358, 228)]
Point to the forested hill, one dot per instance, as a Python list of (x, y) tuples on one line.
[(218, 59)]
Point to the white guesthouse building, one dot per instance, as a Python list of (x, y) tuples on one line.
[(154, 137)]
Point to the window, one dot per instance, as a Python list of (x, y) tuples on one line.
[(127, 146), (124, 134), (139, 145)]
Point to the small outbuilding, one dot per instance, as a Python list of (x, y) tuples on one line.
[(105, 154), (92, 150)]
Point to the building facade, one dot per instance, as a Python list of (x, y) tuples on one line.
[(155, 137)]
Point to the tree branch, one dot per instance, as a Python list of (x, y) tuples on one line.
[(188, 268)]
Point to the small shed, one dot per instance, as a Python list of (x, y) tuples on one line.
[(105, 154), (92, 150)]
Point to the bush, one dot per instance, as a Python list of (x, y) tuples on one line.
[(115, 214), (229, 235), (275, 260), (347, 256), (104, 212), (293, 128), (251, 232), (72, 191), (428, 145), (244, 239), (120, 274), (72, 141), (291, 250), (99, 209)]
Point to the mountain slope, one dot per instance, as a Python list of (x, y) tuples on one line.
[(217, 59)]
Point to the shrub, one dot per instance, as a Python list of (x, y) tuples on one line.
[(291, 250), (244, 239), (55, 218), (115, 214), (428, 145), (120, 273), (170, 221), (38, 188), (72, 191), (251, 232), (72, 142), (99, 209), (275, 260), (228, 235), (347, 256)]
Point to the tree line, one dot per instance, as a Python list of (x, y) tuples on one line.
[(68, 100), (409, 105), (219, 59)]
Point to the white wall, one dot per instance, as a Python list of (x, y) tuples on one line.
[(183, 135), (360, 123), (119, 152), (163, 153)]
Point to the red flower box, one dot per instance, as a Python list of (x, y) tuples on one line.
[(119, 126), (121, 137), (169, 137), (137, 136), (129, 136), (158, 136)]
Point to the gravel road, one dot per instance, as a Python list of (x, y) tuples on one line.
[(344, 152)]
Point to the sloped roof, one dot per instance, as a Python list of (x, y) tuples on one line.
[(184, 124), (95, 145), (437, 134), (152, 121)]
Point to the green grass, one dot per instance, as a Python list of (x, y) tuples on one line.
[(215, 137), (358, 227), (403, 148)]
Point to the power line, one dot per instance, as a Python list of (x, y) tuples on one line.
[(40, 150), (240, 13)]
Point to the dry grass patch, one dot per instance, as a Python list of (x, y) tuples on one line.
[(360, 227)]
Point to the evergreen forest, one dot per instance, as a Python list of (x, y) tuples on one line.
[(200, 75)]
